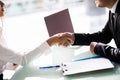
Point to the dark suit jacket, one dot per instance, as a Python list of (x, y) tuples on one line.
[(109, 32)]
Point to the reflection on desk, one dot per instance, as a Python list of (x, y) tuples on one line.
[(32, 72)]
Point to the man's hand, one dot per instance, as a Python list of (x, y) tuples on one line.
[(92, 46)]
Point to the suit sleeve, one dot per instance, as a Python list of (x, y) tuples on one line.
[(103, 36), (107, 51)]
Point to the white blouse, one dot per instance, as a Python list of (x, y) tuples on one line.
[(7, 55)]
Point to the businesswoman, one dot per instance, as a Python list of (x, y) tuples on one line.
[(7, 55)]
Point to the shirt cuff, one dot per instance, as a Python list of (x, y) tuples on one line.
[(45, 46)]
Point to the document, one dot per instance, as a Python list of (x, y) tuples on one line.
[(40, 78), (86, 66)]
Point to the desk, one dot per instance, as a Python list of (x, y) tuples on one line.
[(29, 70)]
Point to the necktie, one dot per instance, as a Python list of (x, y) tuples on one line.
[(113, 20), (113, 17)]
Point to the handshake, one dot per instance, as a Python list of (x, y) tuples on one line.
[(66, 39), (61, 39)]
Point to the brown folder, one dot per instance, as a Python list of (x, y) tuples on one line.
[(59, 22)]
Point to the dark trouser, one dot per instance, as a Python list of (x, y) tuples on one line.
[(1, 76)]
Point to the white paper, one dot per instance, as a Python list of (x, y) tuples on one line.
[(8, 74), (86, 66), (40, 78)]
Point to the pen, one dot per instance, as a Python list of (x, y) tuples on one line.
[(93, 57), (87, 58), (46, 67), (57, 66)]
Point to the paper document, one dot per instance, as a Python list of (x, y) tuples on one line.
[(40, 78), (86, 66)]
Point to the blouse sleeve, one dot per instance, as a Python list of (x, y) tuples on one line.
[(8, 55)]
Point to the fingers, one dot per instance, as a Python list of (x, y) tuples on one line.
[(64, 42), (53, 40), (92, 46), (67, 35), (62, 39), (66, 39)]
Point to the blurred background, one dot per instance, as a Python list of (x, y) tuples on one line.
[(24, 25), (15, 7)]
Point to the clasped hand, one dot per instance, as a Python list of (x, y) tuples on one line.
[(61, 39), (66, 39)]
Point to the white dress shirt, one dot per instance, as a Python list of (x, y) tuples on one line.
[(114, 7)]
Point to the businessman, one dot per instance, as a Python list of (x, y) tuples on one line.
[(98, 41)]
